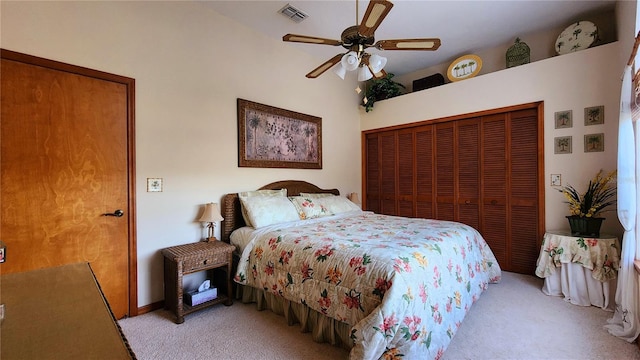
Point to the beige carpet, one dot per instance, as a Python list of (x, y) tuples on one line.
[(511, 320)]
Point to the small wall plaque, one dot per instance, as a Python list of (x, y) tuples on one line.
[(154, 184)]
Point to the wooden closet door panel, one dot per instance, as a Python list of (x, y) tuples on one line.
[(388, 161), (494, 185), (424, 172), (372, 186), (406, 173), (524, 190), (445, 171), (468, 174)]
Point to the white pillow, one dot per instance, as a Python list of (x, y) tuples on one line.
[(247, 194), (268, 210), (315, 195), (339, 204)]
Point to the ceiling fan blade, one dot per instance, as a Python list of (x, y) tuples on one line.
[(376, 12), (324, 67), (381, 74), (408, 44), (310, 39)]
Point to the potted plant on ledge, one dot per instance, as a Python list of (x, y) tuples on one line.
[(586, 208), (380, 89)]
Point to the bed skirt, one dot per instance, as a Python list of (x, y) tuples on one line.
[(323, 329)]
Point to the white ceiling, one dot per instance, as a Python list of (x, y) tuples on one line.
[(463, 26)]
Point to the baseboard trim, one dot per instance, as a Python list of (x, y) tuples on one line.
[(151, 307)]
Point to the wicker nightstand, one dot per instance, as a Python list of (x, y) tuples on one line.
[(189, 258)]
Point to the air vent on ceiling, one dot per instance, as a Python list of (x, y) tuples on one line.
[(293, 13)]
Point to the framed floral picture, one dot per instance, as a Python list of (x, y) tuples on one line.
[(271, 137), (594, 115), (562, 145), (564, 119), (594, 142)]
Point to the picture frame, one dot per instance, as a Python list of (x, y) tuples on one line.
[(594, 115), (594, 142), (464, 67), (271, 137), (556, 180), (563, 119), (562, 145), (154, 184)]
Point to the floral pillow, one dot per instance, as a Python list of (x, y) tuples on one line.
[(261, 193), (268, 210), (309, 208)]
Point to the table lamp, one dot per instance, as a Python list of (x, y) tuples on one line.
[(210, 216)]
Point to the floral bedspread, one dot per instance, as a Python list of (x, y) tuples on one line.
[(404, 284)]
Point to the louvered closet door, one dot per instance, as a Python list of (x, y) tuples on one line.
[(494, 185), (445, 171), (524, 194), (372, 186), (388, 174), (424, 172), (468, 174), (406, 173)]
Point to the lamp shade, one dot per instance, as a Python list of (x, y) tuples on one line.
[(364, 74), (211, 213), (350, 61), (340, 71), (377, 62)]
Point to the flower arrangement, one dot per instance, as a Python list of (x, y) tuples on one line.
[(598, 196)]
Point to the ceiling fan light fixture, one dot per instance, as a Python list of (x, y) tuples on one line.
[(340, 71), (350, 61), (377, 63), (364, 74)]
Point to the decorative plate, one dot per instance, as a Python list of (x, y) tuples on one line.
[(464, 67), (578, 36)]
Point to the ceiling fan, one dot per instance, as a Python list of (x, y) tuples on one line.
[(357, 38)]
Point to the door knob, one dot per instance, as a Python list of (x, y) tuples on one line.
[(117, 213)]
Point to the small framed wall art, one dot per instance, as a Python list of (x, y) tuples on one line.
[(564, 119), (154, 184), (594, 115), (594, 142), (562, 145)]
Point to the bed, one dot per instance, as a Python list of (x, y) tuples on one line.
[(381, 286)]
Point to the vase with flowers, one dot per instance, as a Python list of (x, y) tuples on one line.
[(585, 208)]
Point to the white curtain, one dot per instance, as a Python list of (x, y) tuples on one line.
[(624, 323)]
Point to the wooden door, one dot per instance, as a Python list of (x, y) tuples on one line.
[(66, 148), (494, 182), (445, 171), (424, 172), (484, 170)]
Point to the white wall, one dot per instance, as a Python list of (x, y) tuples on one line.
[(570, 82), (190, 64)]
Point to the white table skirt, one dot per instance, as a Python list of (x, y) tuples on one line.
[(575, 283)]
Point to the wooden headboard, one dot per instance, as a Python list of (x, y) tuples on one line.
[(231, 203)]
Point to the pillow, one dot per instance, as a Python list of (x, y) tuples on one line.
[(268, 210), (309, 208), (339, 204), (316, 195), (247, 194)]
